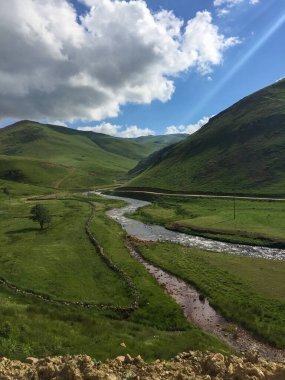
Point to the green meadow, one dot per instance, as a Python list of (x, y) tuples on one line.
[(248, 291), (238, 221), (60, 263)]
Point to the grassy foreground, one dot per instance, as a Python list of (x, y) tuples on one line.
[(62, 263), (248, 291), (256, 222)]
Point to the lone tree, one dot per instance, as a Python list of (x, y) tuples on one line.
[(40, 214)]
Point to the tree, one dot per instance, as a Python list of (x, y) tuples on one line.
[(40, 214)]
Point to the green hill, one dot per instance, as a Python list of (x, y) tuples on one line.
[(60, 157), (241, 150)]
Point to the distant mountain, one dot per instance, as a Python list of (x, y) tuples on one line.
[(60, 157), (241, 150)]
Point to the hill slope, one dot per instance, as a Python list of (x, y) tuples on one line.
[(241, 150), (60, 157)]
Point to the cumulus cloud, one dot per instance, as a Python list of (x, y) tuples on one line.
[(58, 67), (118, 130), (55, 122), (189, 129), (224, 6)]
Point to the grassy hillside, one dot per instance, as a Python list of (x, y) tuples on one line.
[(60, 263), (59, 157), (241, 150)]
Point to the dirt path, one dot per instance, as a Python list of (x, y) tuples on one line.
[(203, 195), (57, 184)]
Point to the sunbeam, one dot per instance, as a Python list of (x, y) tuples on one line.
[(242, 61)]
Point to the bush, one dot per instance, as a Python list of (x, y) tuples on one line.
[(5, 329)]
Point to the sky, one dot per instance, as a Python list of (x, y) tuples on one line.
[(132, 68)]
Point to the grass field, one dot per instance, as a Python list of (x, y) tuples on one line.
[(248, 291), (255, 222), (62, 263)]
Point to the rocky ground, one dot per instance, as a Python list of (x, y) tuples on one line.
[(186, 366)]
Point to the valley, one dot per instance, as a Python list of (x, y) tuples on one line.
[(125, 265), (61, 265), (67, 284), (168, 255), (142, 190)]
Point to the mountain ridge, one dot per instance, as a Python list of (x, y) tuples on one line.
[(49, 155), (240, 150)]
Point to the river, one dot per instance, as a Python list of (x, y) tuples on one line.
[(157, 233), (196, 309)]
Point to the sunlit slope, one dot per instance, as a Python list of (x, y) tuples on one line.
[(241, 150), (56, 157), (65, 158)]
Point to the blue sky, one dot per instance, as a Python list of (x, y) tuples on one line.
[(254, 59), (267, 65)]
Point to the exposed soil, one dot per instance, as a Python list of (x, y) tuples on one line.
[(186, 366)]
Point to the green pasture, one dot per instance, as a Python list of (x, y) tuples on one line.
[(248, 291), (239, 221), (62, 263)]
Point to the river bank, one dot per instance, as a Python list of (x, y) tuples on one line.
[(195, 308)]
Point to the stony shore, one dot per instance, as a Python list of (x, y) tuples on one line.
[(185, 366)]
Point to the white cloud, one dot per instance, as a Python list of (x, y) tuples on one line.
[(191, 128), (223, 12), (55, 122), (134, 131), (54, 67), (232, 3), (224, 6), (118, 130), (203, 42)]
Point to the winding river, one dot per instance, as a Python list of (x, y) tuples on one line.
[(157, 233), (195, 308)]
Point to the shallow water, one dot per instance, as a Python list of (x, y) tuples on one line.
[(201, 313), (195, 308), (157, 233)]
